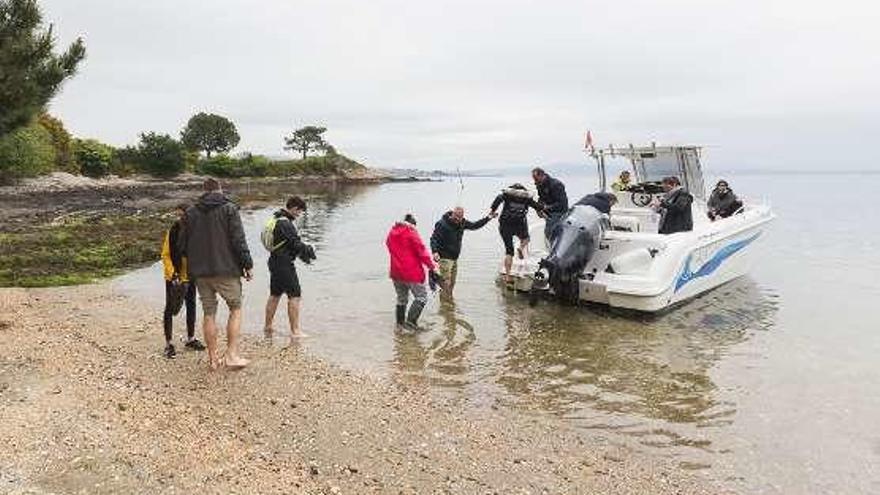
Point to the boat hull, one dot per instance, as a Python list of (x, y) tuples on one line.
[(668, 269)]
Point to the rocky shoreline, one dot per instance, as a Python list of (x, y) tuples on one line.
[(90, 406)]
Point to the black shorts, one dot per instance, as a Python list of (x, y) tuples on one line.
[(509, 229), (283, 280)]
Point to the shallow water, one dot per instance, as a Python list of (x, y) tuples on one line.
[(769, 383)]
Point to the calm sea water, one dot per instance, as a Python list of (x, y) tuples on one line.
[(770, 383)]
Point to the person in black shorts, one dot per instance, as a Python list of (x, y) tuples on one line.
[(513, 221), (283, 280)]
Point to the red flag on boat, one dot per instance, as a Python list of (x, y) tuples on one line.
[(588, 144)]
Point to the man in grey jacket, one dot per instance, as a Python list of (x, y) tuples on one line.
[(218, 256)]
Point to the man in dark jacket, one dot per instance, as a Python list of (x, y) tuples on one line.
[(675, 208), (552, 197), (446, 244), (218, 256), (282, 272), (723, 202), (601, 201)]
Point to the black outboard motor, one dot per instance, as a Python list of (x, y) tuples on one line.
[(575, 239)]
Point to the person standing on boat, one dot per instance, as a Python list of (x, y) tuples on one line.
[(674, 208), (552, 197), (513, 221), (408, 260), (446, 244), (723, 202), (622, 183)]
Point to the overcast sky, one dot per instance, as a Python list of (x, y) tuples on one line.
[(774, 84)]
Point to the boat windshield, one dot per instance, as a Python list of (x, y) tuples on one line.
[(653, 167)]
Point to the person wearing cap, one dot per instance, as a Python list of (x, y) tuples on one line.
[(408, 260), (723, 202)]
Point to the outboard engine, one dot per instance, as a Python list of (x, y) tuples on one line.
[(575, 239)]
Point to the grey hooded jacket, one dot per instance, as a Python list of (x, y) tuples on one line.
[(213, 238)]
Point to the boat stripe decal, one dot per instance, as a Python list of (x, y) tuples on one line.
[(712, 264)]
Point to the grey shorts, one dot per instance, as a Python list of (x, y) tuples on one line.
[(229, 289), (403, 289)]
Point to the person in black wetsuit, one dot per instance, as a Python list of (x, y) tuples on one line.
[(283, 279), (513, 221)]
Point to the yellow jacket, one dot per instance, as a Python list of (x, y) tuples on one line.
[(168, 264)]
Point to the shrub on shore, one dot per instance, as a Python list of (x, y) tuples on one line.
[(161, 155), (26, 152), (94, 157)]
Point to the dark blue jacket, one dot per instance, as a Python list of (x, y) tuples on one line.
[(447, 236)]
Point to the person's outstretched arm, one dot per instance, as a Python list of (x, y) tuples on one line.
[(468, 225), (497, 202)]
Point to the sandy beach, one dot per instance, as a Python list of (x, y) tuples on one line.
[(89, 405)]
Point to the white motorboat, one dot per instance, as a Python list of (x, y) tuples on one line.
[(622, 261)]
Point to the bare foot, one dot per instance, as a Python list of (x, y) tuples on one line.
[(268, 331), (214, 363), (236, 363), (299, 334)]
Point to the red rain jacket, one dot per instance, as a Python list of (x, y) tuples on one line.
[(409, 256)]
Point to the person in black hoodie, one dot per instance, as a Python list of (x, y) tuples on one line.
[(553, 199), (675, 208), (446, 244), (283, 279), (218, 257), (513, 221)]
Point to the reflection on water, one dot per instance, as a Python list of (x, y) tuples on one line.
[(439, 354), (624, 373)]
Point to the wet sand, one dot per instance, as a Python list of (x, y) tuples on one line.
[(89, 405)]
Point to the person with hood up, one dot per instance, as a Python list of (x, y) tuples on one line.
[(674, 208), (287, 246), (408, 260), (513, 221), (446, 244), (723, 202), (218, 257)]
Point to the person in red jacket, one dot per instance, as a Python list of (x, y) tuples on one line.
[(409, 258)]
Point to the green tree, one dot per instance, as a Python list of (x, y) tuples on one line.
[(209, 133), (30, 71), (94, 157), (26, 152), (161, 154), (306, 139), (62, 141)]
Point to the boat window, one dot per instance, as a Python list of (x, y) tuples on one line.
[(654, 167)]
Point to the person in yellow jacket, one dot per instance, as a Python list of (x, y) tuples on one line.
[(622, 183), (179, 289)]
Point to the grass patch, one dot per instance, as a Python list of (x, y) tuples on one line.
[(81, 250)]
